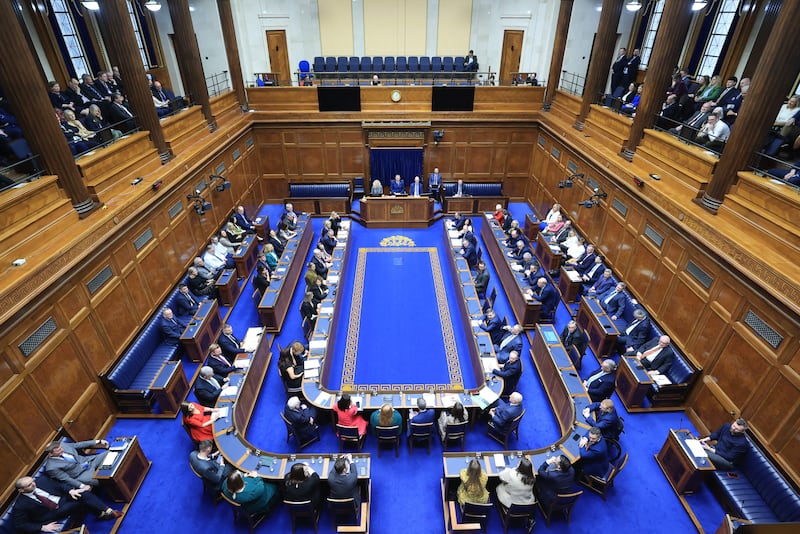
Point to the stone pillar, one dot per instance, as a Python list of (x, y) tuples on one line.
[(667, 48), (123, 51), (600, 62), (21, 80), (232, 50), (771, 80), (559, 46), (188, 55)]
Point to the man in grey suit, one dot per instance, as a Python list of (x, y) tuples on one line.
[(343, 480), (210, 466), (67, 465)]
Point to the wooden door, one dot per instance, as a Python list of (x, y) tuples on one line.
[(279, 56), (512, 50)]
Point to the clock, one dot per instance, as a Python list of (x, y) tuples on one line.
[(396, 96)]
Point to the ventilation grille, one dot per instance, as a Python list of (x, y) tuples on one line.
[(100, 278), (572, 167), (143, 239), (201, 186), (699, 274), (762, 329), (220, 168), (556, 153), (654, 236), (618, 206), (237, 154), (249, 142), (175, 210), (35, 340), (541, 141), (592, 183)]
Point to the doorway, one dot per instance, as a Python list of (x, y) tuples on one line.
[(512, 51), (279, 56)]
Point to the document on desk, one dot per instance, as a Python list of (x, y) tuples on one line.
[(280, 270), (475, 322), (326, 310), (344, 224), (229, 391), (661, 380), (333, 279), (574, 276), (317, 343), (311, 373), (489, 395), (252, 338), (499, 460), (108, 461), (489, 364), (453, 234), (430, 399), (323, 398), (449, 399), (696, 448), (515, 267), (312, 363), (242, 363), (455, 243), (223, 412)]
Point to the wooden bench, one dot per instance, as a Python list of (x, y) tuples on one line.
[(321, 198), (451, 519), (363, 516), (663, 153), (606, 124), (184, 128)]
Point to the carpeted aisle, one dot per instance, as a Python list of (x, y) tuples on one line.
[(406, 489)]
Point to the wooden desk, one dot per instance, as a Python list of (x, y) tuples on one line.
[(569, 284), (599, 327), (275, 302), (261, 222), (526, 310), (393, 212), (203, 330), (122, 480), (548, 252), (228, 287), (684, 471), (633, 382), (245, 256), (170, 387), (472, 204), (531, 227)]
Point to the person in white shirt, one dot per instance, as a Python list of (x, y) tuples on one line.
[(714, 132), (213, 261)]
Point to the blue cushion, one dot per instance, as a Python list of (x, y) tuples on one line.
[(319, 190), (484, 189), (319, 64)]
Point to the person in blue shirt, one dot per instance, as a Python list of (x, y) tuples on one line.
[(421, 415), (604, 416), (730, 447), (397, 186), (594, 453)]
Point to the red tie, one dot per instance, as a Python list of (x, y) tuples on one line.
[(46, 501)]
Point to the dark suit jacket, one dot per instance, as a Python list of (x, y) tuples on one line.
[(602, 387), (278, 244), (585, 262), (471, 255), (301, 424), (495, 329), (172, 331), (638, 336), (243, 222), (481, 282), (662, 362), (230, 347), (221, 369), (504, 413), (594, 460), (322, 269), (396, 187), (329, 242), (514, 344), (615, 306), (576, 338), (413, 192), (182, 306), (549, 299), (608, 423), (104, 89), (603, 285), (28, 515), (210, 470), (551, 483), (460, 223), (344, 485), (205, 392)]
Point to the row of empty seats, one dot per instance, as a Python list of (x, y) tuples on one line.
[(388, 64)]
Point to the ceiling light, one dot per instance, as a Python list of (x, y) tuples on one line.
[(152, 5), (697, 6), (633, 5), (92, 6)]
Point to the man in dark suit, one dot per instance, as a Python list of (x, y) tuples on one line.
[(230, 344), (481, 279), (42, 504), (89, 92), (585, 261), (635, 334), (520, 248), (207, 388), (512, 341), (102, 86), (631, 70), (319, 264), (613, 302), (459, 221), (690, 127), (493, 326), (594, 453), (593, 273), (547, 295), (397, 186), (505, 412), (171, 327), (343, 480), (120, 116), (210, 466), (530, 268), (656, 355), (618, 68), (604, 284), (572, 336), (240, 218), (329, 242), (185, 304), (67, 465), (728, 95), (219, 362), (555, 476), (416, 189), (469, 253), (471, 62), (301, 417), (604, 416), (510, 372), (563, 234), (600, 385), (435, 183)]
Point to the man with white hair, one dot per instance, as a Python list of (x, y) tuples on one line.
[(241, 219), (656, 355), (289, 217), (505, 412), (301, 417), (320, 264), (512, 341), (207, 388)]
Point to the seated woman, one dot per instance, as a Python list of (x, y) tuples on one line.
[(630, 107), (253, 493), (473, 484), (300, 484), (456, 414), (555, 226), (290, 369), (198, 420), (87, 135), (284, 233), (347, 412), (234, 232), (386, 416), (790, 176), (262, 279), (271, 257), (550, 218), (516, 485), (376, 189)]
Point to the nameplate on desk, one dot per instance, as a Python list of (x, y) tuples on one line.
[(108, 461), (318, 343), (242, 363), (280, 270), (334, 279), (229, 391)]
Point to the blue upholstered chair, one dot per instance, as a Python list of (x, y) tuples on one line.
[(305, 70), (436, 64), (353, 64), (402, 64), (366, 64), (413, 64), (341, 64), (319, 64), (377, 64), (424, 64), (447, 64), (388, 64), (330, 64)]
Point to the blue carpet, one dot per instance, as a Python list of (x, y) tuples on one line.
[(406, 489)]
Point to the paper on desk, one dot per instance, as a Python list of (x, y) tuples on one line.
[(516, 267), (323, 398), (661, 380), (475, 322), (455, 243), (326, 309), (229, 391), (333, 279), (489, 364), (110, 458), (242, 363), (453, 233), (499, 460), (488, 395), (696, 447), (280, 270), (574, 276), (449, 399), (311, 373), (223, 412), (430, 399), (311, 363), (448, 223), (251, 338), (318, 344)]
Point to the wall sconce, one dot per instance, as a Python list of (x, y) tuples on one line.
[(438, 135), (222, 185), (594, 200), (569, 181), (200, 205), (152, 5)]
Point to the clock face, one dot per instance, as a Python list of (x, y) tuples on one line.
[(395, 96)]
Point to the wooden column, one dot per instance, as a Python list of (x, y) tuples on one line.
[(232, 50), (767, 91), (602, 53), (559, 46), (123, 51), (667, 48), (188, 55), (771, 9), (22, 82)]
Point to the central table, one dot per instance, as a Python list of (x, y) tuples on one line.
[(389, 212)]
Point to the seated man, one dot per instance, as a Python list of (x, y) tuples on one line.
[(505, 412), (571, 336), (730, 447), (120, 116), (459, 190), (656, 355), (219, 362), (510, 372), (545, 293), (207, 388), (613, 302), (604, 416), (468, 233), (301, 417), (162, 93), (493, 326), (230, 344), (481, 279), (240, 218), (714, 132), (65, 464), (635, 334), (600, 385), (514, 235), (205, 271), (320, 264), (185, 304), (172, 328), (790, 176), (41, 505), (592, 275), (459, 221), (512, 341), (585, 261), (214, 262), (210, 466), (469, 253), (555, 476), (289, 217), (416, 189), (201, 286), (421, 415), (343, 480), (530, 268), (397, 186), (594, 453), (519, 251), (603, 285)]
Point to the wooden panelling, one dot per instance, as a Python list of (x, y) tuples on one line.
[(742, 371), (29, 418), (52, 374), (281, 99), (89, 415), (92, 345), (777, 409), (709, 332), (379, 99)]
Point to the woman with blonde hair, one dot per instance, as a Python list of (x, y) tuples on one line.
[(386, 416), (377, 188), (473, 484)]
